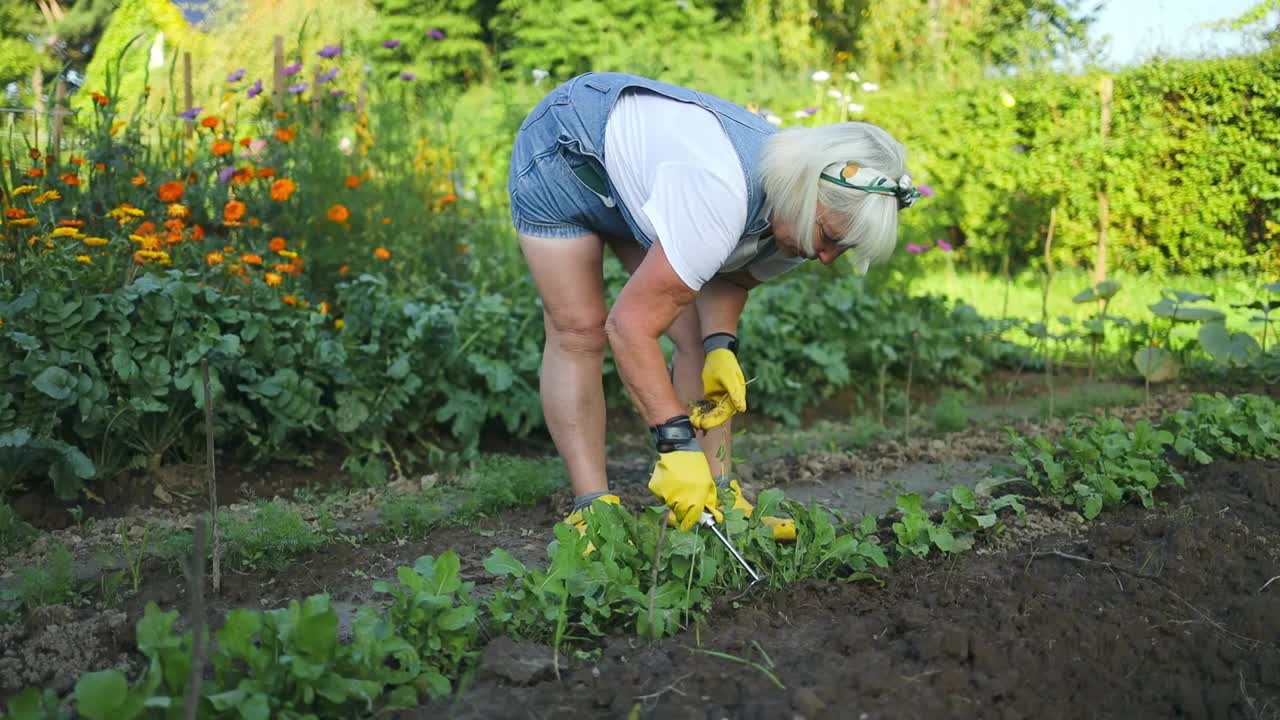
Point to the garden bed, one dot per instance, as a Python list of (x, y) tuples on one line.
[(1179, 624)]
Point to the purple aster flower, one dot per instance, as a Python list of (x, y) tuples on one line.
[(236, 76), (326, 76), (255, 90), (391, 44), (292, 69), (190, 114), (915, 249), (435, 34), (407, 76), (944, 246), (296, 88), (925, 190), (329, 51), (224, 175), (337, 93)]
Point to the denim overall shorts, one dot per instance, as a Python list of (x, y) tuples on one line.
[(557, 181)]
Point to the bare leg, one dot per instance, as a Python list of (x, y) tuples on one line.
[(569, 275)]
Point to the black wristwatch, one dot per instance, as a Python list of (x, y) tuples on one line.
[(716, 341), (676, 434)]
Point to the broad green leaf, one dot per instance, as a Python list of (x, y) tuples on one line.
[(1092, 506), (24, 341), (102, 695), (456, 618), (1155, 364), (942, 537), (351, 412), (1227, 347), (501, 563), (55, 382), (400, 368), (15, 438)]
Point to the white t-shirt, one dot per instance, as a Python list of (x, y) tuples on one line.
[(673, 164)]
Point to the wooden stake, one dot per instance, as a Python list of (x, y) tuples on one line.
[(1104, 205), (277, 77), (188, 96), (59, 100), (1044, 307), (37, 88), (213, 485), (195, 585)]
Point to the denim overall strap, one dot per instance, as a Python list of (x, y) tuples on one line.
[(591, 97)]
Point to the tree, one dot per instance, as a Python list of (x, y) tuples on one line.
[(51, 34)]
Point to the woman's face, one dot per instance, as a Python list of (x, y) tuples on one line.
[(825, 249)]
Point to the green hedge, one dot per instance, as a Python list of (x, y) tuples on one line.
[(1190, 168)]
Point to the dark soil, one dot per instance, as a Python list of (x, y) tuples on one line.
[(1143, 615)]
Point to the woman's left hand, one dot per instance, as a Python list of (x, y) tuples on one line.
[(723, 384)]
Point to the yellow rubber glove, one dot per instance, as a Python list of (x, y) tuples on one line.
[(682, 477), (723, 385), (784, 529)]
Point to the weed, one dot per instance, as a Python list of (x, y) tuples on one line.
[(951, 412), (49, 583), (268, 539), (14, 531)]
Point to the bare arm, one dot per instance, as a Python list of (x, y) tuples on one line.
[(720, 305), (645, 308)]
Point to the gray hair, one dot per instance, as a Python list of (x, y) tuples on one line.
[(792, 162)]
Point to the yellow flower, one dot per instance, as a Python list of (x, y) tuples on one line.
[(178, 210), (213, 258), (273, 279), (64, 232), (144, 256), (23, 222), (84, 259), (287, 253), (46, 196), (115, 127), (95, 241), (24, 189), (339, 323), (324, 307)]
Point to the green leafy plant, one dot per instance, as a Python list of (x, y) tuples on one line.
[(1096, 326), (432, 609), (268, 538), (1098, 464), (1215, 426)]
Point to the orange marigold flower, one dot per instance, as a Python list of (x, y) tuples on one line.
[(283, 268), (352, 181), (254, 222), (197, 233), (14, 213), (100, 98), (139, 180), (243, 176), (281, 189), (213, 258), (285, 135), (76, 160), (146, 228), (338, 213), (71, 223), (171, 191), (251, 259), (245, 141), (273, 279), (35, 172), (174, 225), (221, 147), (382, 253), (71, 179), (266, 172), (277, 244), (344, 269), (323, 307), (386, 221), (210, 122), (100, 166), (233, 211), (282, 115), (289, 300), (448, 200)]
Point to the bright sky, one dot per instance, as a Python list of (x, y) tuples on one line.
[(1139, 28)]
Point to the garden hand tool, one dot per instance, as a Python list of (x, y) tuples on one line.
[(710, 522)]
